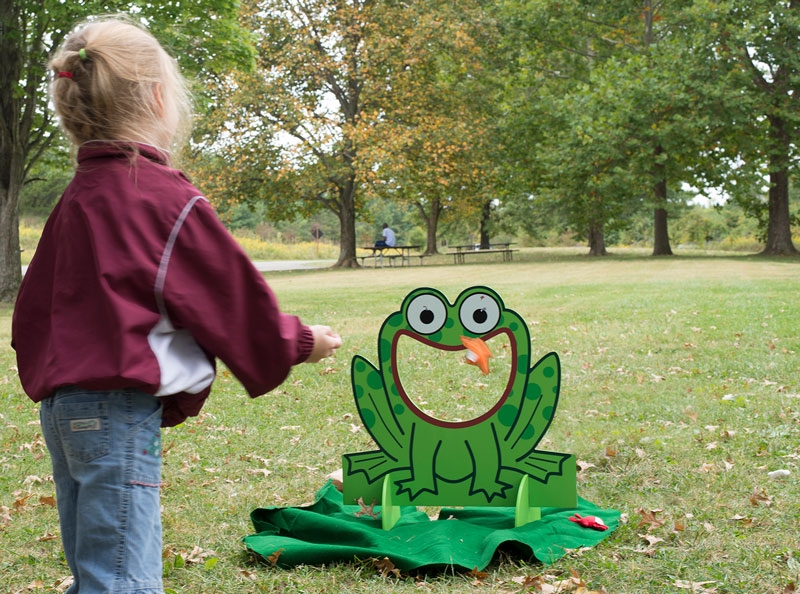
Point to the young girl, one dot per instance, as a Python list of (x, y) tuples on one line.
[(135, 289)]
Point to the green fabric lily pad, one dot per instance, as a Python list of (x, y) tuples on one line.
[(329, 531)]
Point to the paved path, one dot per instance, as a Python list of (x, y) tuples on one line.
[(272, 265), (267, 265)]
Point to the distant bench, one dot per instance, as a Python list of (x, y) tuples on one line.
[(392, 258), (460, 251)]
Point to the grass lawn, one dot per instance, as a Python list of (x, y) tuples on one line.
[(680, 393)]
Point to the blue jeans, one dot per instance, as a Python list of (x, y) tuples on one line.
[(106, 453)]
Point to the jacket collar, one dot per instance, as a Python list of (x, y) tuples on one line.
[(94, 149)]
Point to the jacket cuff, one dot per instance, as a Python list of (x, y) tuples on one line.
[(305, 345)]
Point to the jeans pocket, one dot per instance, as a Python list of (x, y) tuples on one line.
[(146, 470), (84, 429)]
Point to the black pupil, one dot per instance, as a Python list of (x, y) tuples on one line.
[(426, 317), (479, 315)]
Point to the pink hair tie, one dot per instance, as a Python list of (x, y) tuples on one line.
[(64, 75)]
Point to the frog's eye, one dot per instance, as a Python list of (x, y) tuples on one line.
[(479, 313), (426, 314)]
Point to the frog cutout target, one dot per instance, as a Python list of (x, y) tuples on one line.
[(489, 460)]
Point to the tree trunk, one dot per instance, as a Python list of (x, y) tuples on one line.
[(486, 212), (10, 261), (12, 171), (661, 245), (14, 145), (779, 228), (597, 240), (432, 223), (347, 226), (660, 230)]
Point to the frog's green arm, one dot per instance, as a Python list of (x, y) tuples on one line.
[(537, 407), (375, 408), (534, 417)]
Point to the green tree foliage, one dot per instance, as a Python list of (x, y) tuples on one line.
[(437, 145), (758, 44), (613, 115), (351, 101), (30, 31), (291, 125)]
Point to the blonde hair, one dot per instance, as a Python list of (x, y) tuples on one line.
[(113, 81)]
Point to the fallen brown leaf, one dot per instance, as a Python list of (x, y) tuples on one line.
[(273, 558), (478, 575), (367, 510), (198, 555), (62, 584), (695, 587), (20, 502), (649, 518), (5, 515), (759, 498), (385, 566), (651, 540), (650, 552), (336, 477), (46, 536), (743, 520)]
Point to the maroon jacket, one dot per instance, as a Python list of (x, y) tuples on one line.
[(136, 284)]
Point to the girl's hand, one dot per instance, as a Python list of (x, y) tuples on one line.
[(326, 341)]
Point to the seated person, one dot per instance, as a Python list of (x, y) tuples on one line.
[(389, 239)]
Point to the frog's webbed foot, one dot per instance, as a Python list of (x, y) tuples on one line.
[(543, 465), (413, 486), (489, 488), (373, 465)]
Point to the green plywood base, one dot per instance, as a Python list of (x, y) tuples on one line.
[(527, 508), (389, 513), (524, 513)]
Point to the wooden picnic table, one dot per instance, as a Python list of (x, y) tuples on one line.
[(394, 252), (496, 247)]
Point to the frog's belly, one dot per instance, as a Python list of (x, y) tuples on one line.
[(453, 461)]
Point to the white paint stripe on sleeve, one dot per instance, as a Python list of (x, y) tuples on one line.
[(161, 276), (183, 364)]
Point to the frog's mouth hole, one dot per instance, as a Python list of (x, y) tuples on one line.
[(441, 388)]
